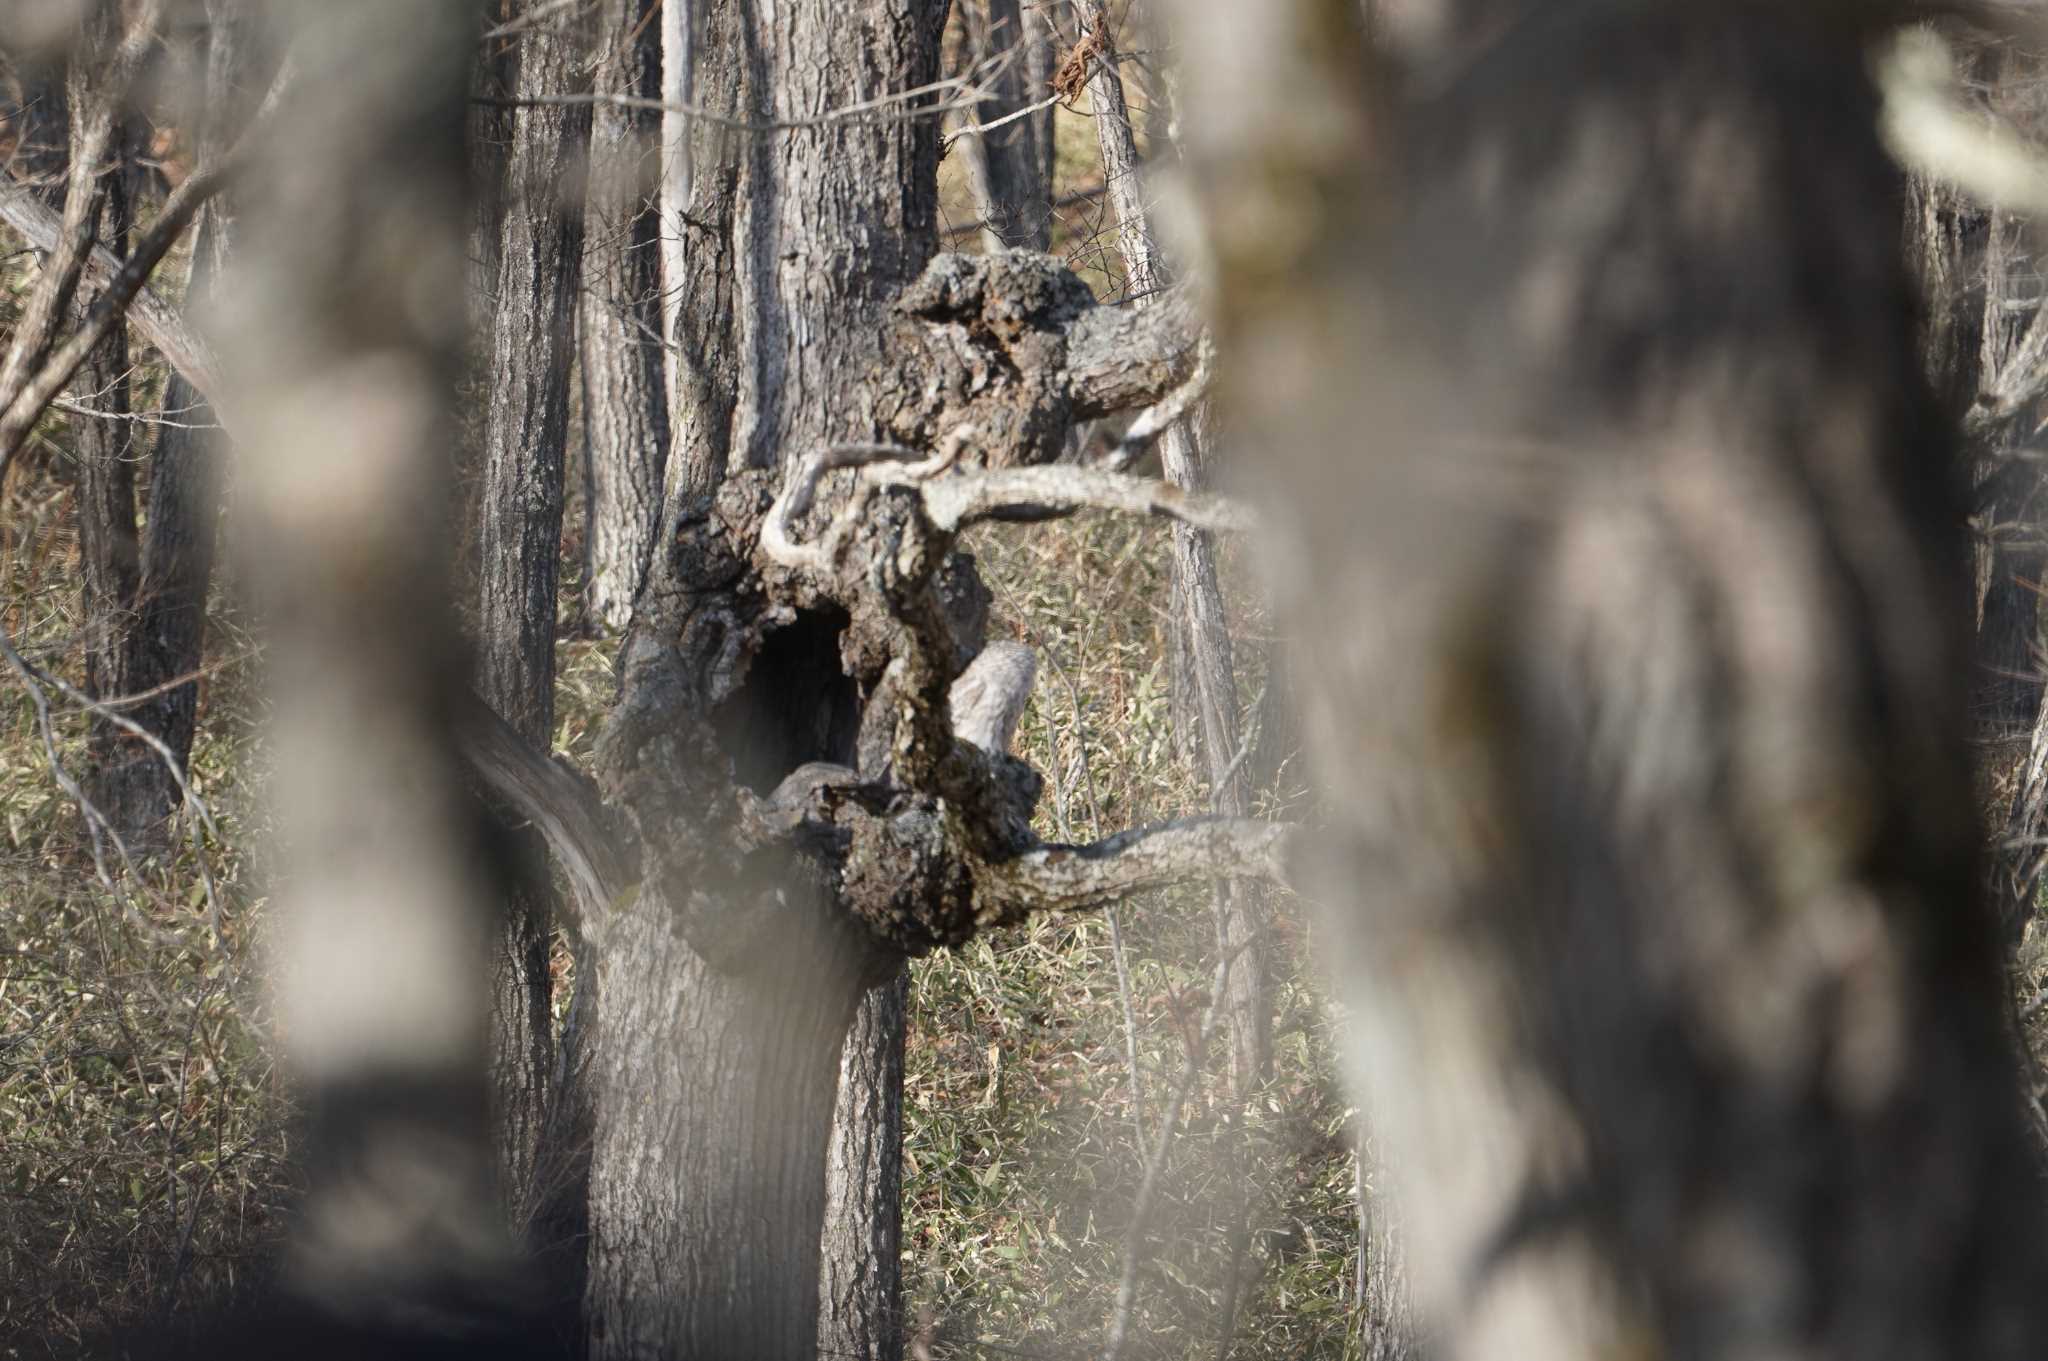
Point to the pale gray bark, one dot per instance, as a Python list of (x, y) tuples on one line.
[(860, 1311), (519, 502), (625, 392), (1629, 573)]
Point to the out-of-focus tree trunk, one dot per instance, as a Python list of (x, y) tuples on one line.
[(1626, 559), (346, 338), (526, 432), (625, 401)]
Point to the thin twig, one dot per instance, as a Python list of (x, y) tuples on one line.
[(1162, 1145)]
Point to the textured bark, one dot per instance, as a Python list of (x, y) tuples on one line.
[(1386, 1325), (109, 546), (184, 484), (2010, 566), (1677, 999), (860, 1313), (520, 506), (706, 1229), (625, 401), (1980, 306)]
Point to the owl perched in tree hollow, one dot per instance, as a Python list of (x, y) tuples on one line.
[(989, 698)]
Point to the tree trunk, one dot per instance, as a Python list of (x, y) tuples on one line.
[(1386, 1327), (1006, 169), (110, 555), (1639, 656), (716, 1089), (860, 1313), (715, 1099), (2008, 691), (625, 401), (345, 342), (1202, 669), (520, 502), (184, 481)]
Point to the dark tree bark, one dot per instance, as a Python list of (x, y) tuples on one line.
[(144, 597), (110, 553), (1639, 655), (1980, 310), (625, 402), (1007, 169), (184, 483), (520, 503)]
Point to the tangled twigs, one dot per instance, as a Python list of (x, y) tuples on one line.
[(955, 498)]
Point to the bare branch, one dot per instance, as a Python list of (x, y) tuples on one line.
[(967, 497), (1055, 877), (1154, 420), (156, 319), (1119, 358), (568, 813), (50, 378)]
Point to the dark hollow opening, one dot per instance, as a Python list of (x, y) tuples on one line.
[(795, 705)]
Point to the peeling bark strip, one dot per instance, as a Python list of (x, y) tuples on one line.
[(1638, 669)]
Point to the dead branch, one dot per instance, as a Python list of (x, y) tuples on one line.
[(157, 319), (561, 804), (1051, 878)]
